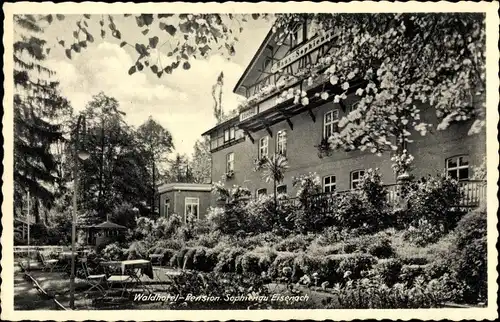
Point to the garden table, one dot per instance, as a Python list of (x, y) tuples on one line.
[(156, 258), (129, 271)]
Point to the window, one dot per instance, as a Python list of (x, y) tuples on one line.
[(229, 135), (261, 192), (281, 142), (356, 177), (191, 207), (298, 35), (166, 208), (458, 167), (329, 184), (267, 63), (263, 147), (281, 189), (330, 123), (230, 162)]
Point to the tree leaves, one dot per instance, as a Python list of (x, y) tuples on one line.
[(68, 53), (117, 34), (186, 65), (153, 41), (132, 70), (168, 28), (141, 50), (147, 19)]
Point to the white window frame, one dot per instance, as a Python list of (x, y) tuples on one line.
[(229, 135), (281, 141), (281, 185), (166, 207), (258, 194), (459, 166), (230, 162), (191, 201), (331, 184), (297, 37), (264, 147), (355, 182), (330, 124)]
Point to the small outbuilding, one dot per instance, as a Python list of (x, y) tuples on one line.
[(104, 233), (184, 198)]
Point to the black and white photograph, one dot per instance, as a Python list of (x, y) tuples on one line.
[(233, 158)]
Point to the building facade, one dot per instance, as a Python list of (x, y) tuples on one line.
[(184, 198), (270, 123)]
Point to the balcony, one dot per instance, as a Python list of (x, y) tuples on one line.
[(270, 109), (473, 195)]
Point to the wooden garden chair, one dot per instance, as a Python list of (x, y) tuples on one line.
[(48, 264), (94, 280)]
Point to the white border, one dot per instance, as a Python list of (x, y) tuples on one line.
[(492, 100)]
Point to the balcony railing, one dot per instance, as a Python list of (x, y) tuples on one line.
[(473, 194)]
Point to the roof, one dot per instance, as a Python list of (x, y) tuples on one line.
[(254, 59), (179, 186), (218, 126), (108, 225)]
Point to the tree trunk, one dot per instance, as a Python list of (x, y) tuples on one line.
[(154, 188), (275, 197), (36, 210), (101, 173), (46, 216)]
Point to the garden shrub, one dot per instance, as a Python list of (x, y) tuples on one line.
[(113, 252), (138, 249), (248, 263), (259, 214), (294, 243), (374, 294), (178, 259), (282, 260), (424, 233), (226, 259), (232, 216), (431, 207), (329, 236), (388, 270), (317, 250), (355, 264), (262, 240), (188, 259), (209, 239), (331, 268), (381, 247), (469, 256), (314, 214), (266, 258), (167, 255), (409, 273), (436, 269), (211, 259), (415, 260), (200, 259)]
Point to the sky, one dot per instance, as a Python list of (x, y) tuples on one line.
[(181, 101)]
